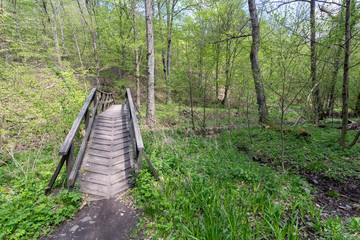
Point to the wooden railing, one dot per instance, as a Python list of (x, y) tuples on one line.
[(136, 138), (101, 101)]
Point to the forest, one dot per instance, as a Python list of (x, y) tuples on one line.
[(249, 111)]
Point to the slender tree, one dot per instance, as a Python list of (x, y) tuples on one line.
[(150, 111), (345, 86), (255, 66), (317, 99), (137, 60)]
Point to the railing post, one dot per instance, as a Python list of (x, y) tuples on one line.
[(131, 129), (139, 158), (95, 99), (70, 162), (87, 118)]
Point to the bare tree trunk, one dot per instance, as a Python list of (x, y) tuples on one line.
[(52, 23), (169, 22), (14, 3), (78, 50), (317, 99), (333, 83), (150, 111), (217, 54), (93, 35), (191, 100), (345, 90), (261, 100), (163, 52), (61, 29), (227, 72), (204, 109), (137, 61), (357, 106)]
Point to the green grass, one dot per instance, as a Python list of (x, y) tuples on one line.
[(25, 211), (37, 109), (319, 153), (210, 190)]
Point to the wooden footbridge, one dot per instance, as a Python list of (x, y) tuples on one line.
[(111, 151)]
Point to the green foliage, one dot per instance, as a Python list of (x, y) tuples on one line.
[(38, 107), (319, 153), (26, 213), (210, 190)]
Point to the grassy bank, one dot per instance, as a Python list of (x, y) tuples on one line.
[(37, 109), (211, 188)]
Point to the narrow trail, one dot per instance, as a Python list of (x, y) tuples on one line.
[(106, 219)]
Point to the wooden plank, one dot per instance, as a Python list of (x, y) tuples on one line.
[(109, 148), (110, 142), (151, 166), (54, 176), (69, 138), (80, 155), (138, 138), (108, 163), (70, 163)]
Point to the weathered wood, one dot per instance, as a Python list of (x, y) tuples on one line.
[(135, 123), (107, 165), (67, 149), (87, 118), (80, 155), (151, 166), (131, 131), (75, 127), (54, 176), (139, 158), (70, 162)]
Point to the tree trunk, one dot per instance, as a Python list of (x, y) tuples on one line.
[(317, 99), (261, 100), (150, 111), (61, 29), (345, 89), (137, 61), (227, 71), (333, 83), (78, 51), (93, 35), (52, 23), (163, 52), (217, 54), (357, 106), (169, 24)]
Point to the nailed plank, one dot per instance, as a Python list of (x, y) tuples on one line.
[(116, 133), (110, 142), (109, 160), (109, 148)]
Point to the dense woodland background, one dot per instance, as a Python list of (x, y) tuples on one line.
[(268, 68)]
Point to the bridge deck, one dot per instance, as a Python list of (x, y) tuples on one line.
[(108, 163)]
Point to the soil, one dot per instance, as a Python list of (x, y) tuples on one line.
[(336, 198), (106, 219)]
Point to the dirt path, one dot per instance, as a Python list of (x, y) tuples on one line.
[(103, 220)]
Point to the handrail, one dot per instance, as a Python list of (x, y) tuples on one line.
[(138, 146), (75, 127), (67, 148)]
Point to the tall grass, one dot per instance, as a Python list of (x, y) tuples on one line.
[(210, 190)]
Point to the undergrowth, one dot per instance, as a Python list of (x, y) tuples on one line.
[(210, 190), (37, 107), (319, 153)]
